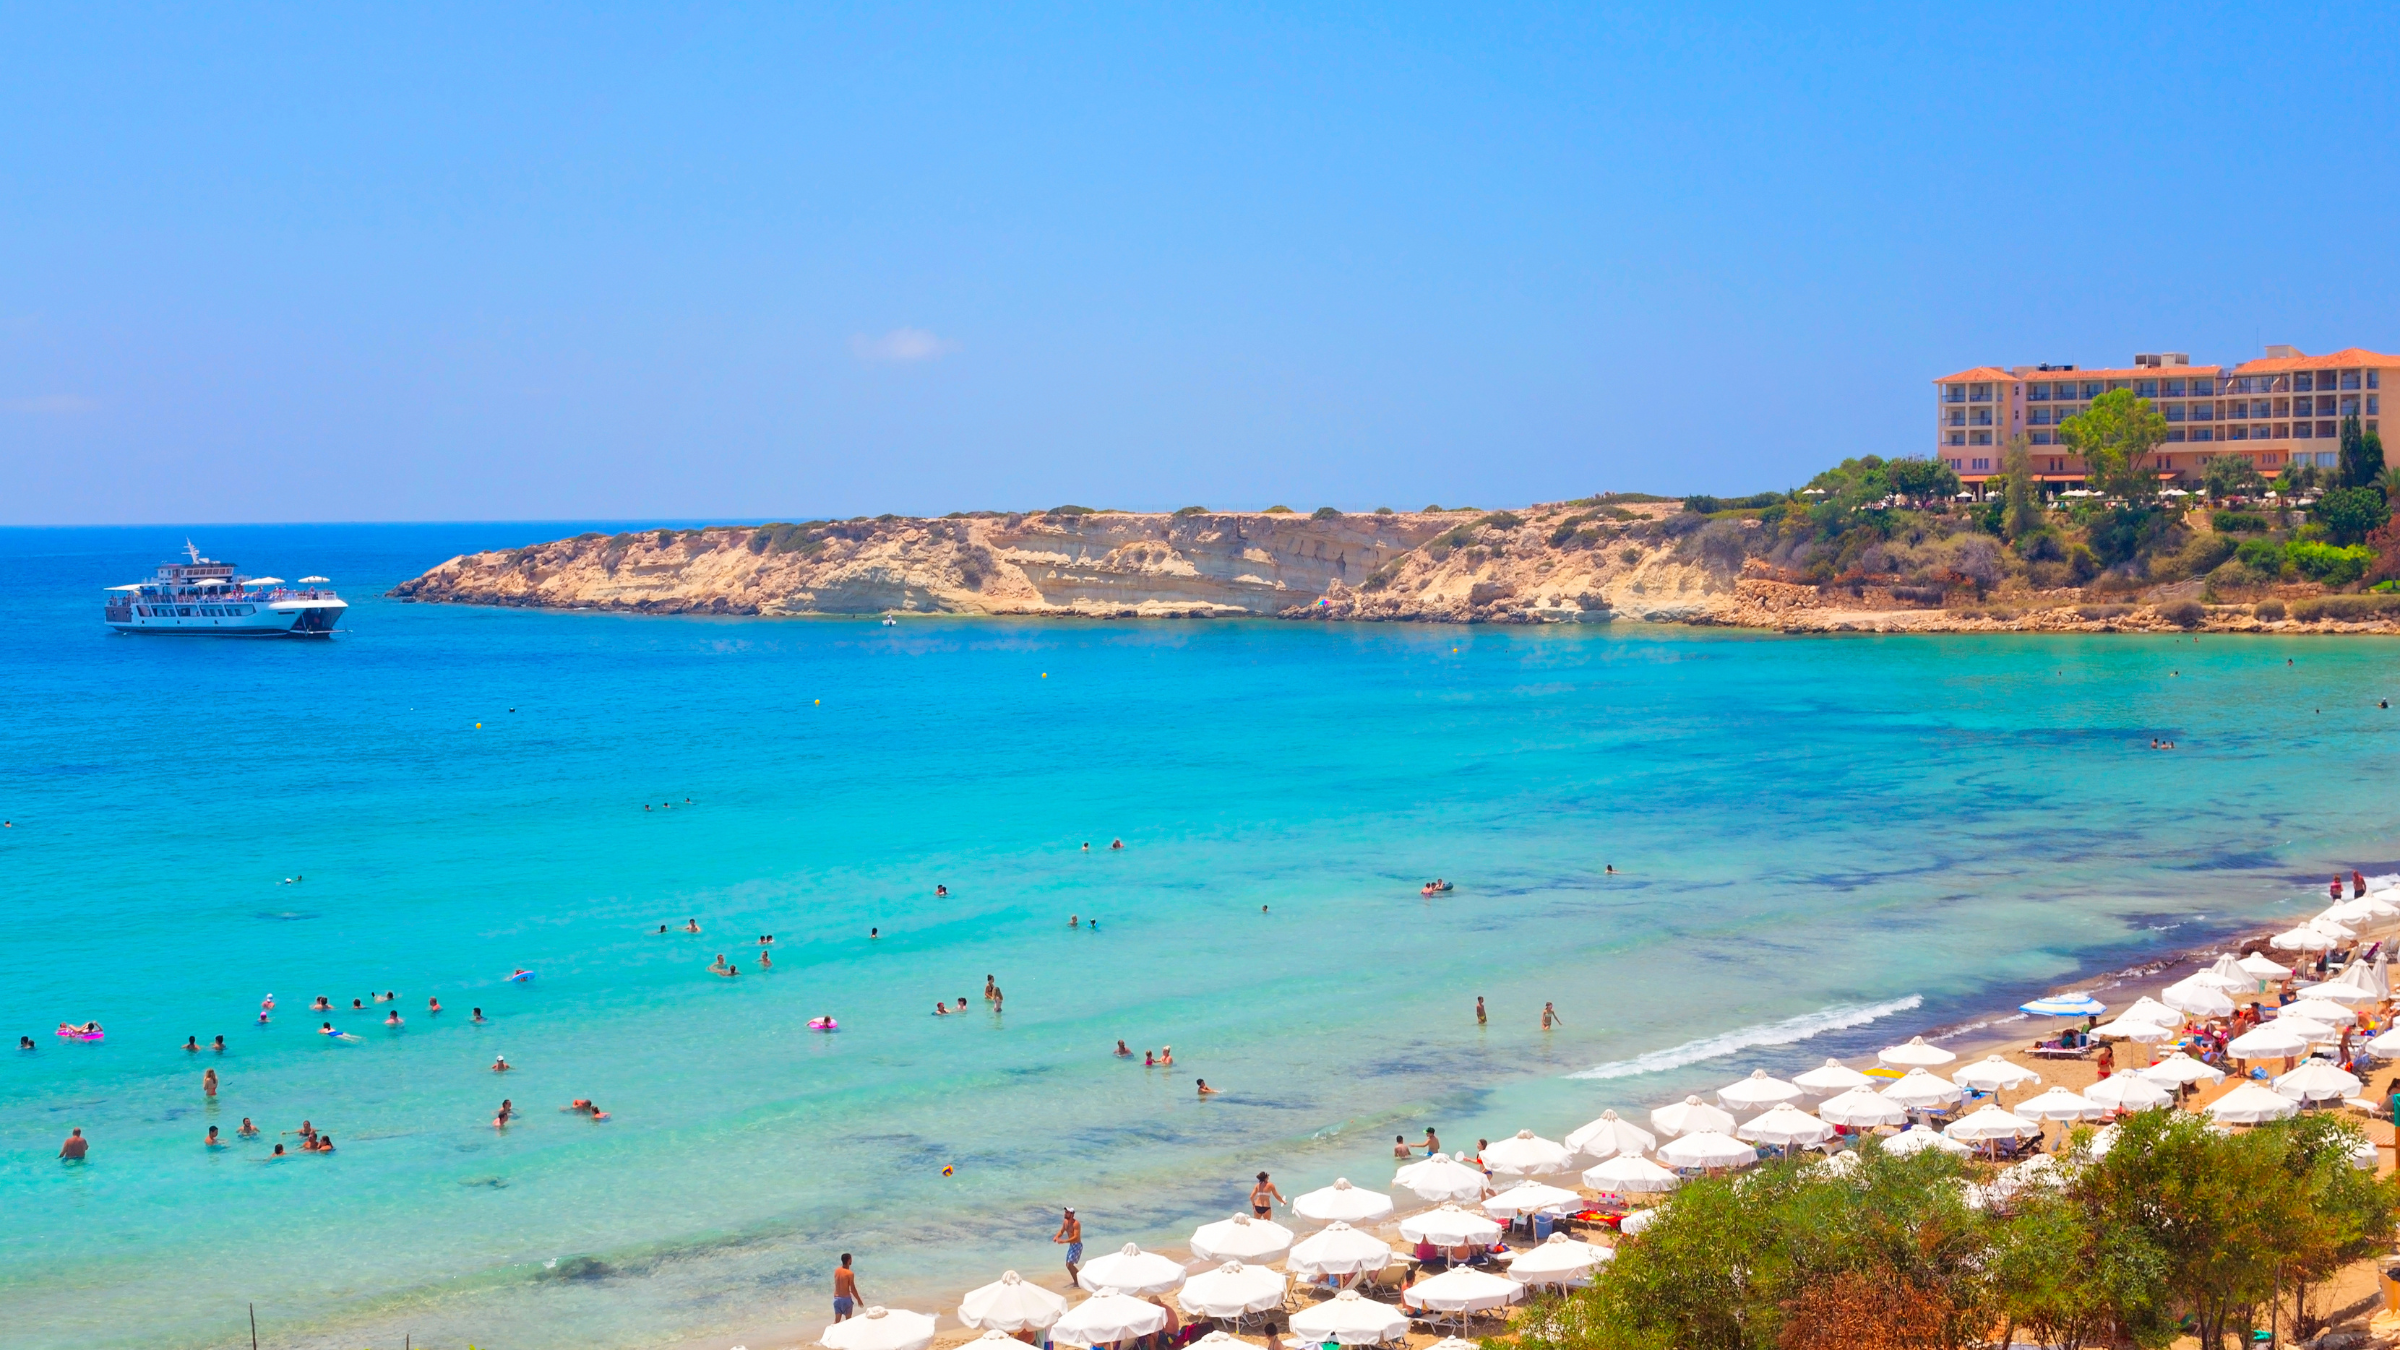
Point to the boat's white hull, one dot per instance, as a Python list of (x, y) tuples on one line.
[(232, 618)]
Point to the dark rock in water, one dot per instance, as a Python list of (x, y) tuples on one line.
[(575, 1268)]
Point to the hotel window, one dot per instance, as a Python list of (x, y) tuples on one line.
[(2041, 438), (2282, 432), (1982, 417), (2374, 379), (2349, 405), (1954, 393), (2145, 389), (2174, 389), (2039, 393), (2326, 459), (1979, 438), (2372, 400), (2175, 434), (1958, 417), (2349, 379), (1983, 466), (2237, 433), (2174, 412), (2204, 387), (1979, 393), (2041, 417), (2300, 382), (2324, 431), (2204, 433), (2091, 389), (1958, 438)]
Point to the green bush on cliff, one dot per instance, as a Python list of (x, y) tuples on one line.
[(1192, 511), (2329, 564), (1326, 513), (1500, 520), (2344, 608), (2238, 522)]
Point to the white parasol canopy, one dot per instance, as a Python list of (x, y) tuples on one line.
[(2317, 1080), (1917, 1138), (2178, 1069), (2151, 1010), (1830, 1078), (1130, 1270), (2323, 1010), (306, 581), (2306, 938), (1609, 1136), (1441, 1177), (1688, 1115), (2270, 1041), (1784, 1125), (1706, 1148), (1561, 1260), (1338, 1249), (2263, 967), (2227, 974), (1919, 1090), (2136, 1029), (2385, 1046), (1859, 1109), (1993, 1074), (2251, 1103), (1991, 1123), (2077, 1004), (1104, 1319), (1350, 1320), (1628, 1174), (1231, 1290), (1914, 1055), (1449, 1226), (1526, 1154), (2127, 1091), (1462, 1290), (2059, 1104), (1011, 1303), (1241, 1238), (2197, 997), (880, 1328), (2307, 1027), (1529, 1197), (1342, 1202), (1757, 1092), (2356, 984)]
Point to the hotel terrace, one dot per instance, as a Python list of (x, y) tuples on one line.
[(2278, 412)]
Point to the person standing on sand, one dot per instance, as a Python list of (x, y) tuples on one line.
[(845, 1290), (1070, 1232), (2107, 1063)]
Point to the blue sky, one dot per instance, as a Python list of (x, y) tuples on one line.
[(350, 262)]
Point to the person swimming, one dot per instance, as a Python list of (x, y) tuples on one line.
[(1166, 1056), (662, 927), (213, 1140), (873, 934), (940, 890), (357, 1005), (479, 1017), (691, 925), (765, 962), (500, 1064), (507, 1113), (719, 967), (393, 1019), (192, 1044), (432, 1006), (1122, 1052), (24, 1042), (1116, 844), (940, 1009), (218, 1044), (384, 997), (1205, 1089), (248, 1130), (327, 1030)]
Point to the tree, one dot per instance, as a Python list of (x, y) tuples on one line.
[(2362, 454), (2115, 436), (2023, 513), (2230, 476), (2349, 514), (1921, 480)]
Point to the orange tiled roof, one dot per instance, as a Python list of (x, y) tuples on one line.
[(1978, 375), (1981, 373), (2347, 356)]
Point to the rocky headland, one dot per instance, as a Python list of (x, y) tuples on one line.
[(1585, 561)]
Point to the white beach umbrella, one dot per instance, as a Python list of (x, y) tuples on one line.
[(1688, 1115), (2149, 1009), (2102, 1140), (2334, 927), (2323, 1010), (2262, 967), (2040, 1170), (1350, 1320), (2355, 985), (1337, 1249), (2198, 998), (1441, 1177), (880, 1328), (1462, 1290), (990, 1340), (1632, 1224), (2385, 1046), (2136, 1029), (1130, 1270), (1994, 1074), (1757, 1092), (2058, 1104), (1011, 1303), (1920, 1090), (1917, 1138), (1706, 1148), (1241, 1238), (1526, 1154), (2251, 1103), (1627, 1174), (1860, 1109), (2304, 939), (2128, 1092), (1104, 1319), (1784, 1125), (1914, 1055), (2308, 1027), (2270, 1041), (1449, 1226), (2227, 974), (2317, 1080), (1342, 1202), (1831, 1078), (2178, 1069), (2064, 1005), (1991, 1123), (1609, 1136), (1530, 1197), (1231, 1290), (1561, 1260)]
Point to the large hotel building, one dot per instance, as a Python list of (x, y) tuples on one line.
[(2283, 410)]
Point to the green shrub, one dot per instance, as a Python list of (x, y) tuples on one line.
[(2082, 563), (2204, 554), (2183, 613), (2040, 546), (1383, 510), (1191, 511), (2330, 564), (2349, 513), (2346, 608), (2267, 611), (1501, 520), (2238, 522), (1326, 513), (1382, 576), (1629, 556), (2263, 556), (1075, 511), (1279, 510)]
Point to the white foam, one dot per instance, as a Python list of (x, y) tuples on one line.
[(1785, 1032)]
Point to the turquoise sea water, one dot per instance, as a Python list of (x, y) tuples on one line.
[(1822, 843)]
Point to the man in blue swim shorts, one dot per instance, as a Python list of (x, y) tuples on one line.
[(1070, 1232), (845, 1290)]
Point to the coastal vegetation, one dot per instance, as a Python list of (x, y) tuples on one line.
[(2173, 1230)]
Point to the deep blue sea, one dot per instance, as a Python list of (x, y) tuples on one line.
[(1821, 844)]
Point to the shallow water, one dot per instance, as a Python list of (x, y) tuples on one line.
[(1822, 842)]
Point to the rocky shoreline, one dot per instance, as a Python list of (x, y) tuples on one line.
[(1596, 560)]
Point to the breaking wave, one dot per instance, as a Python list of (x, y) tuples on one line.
[(1785, 1032)]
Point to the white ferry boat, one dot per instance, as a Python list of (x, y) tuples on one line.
[(203, 597)]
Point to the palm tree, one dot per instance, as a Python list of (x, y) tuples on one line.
[(2389, 481)]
